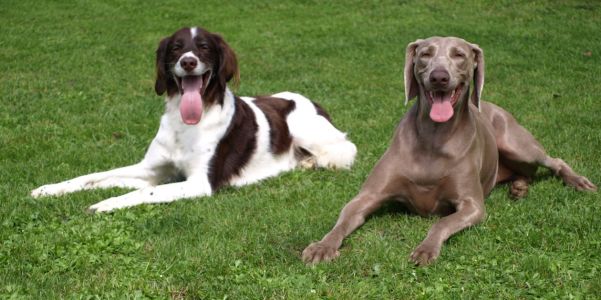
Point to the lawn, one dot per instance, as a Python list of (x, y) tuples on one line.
[(76, 82)]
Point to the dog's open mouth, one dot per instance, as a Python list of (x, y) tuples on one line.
[(192, 88), (442, 103)]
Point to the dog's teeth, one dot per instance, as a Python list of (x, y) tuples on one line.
[(453, 94)]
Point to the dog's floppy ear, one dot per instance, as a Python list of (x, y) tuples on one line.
[(160, 86), (478, 74), (411, 87), (228, 64)]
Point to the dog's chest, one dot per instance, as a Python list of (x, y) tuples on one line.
[(426, 200), (426, 171), (188, 144), (425, 193), (187, 147)]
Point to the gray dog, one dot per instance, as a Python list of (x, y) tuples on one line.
[(447, 153)]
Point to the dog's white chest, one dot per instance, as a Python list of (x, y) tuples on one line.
[(186, 147)]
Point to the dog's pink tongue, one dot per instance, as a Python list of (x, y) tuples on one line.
[(190, 107), (442, 109)]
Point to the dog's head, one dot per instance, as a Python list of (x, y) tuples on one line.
[(197, 65), (440, 70)]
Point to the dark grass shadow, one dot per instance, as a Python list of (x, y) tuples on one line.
[(391, 208)]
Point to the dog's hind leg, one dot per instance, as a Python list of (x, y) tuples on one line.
[(329, 147), (571, 178), (312, 131), (520, 152)]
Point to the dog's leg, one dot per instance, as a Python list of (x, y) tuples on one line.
[(314, 133), (352, 216), (135, 176), (469, 212), (379, 187), (150, 171), (571, 178), (191, 188), (522, 153), (519, 187)]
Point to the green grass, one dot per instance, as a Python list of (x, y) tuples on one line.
[(76, 82)]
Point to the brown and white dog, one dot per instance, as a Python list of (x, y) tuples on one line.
[(211, 137)]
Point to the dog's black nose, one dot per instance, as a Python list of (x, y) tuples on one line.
[(439, 78), (188, 63)]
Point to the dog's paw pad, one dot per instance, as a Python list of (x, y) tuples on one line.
[(424, 254), (318, 252), (518, 189)]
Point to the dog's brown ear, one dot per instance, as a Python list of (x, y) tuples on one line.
[(478, 74), (411, 87), (228, 64), (160, 86)]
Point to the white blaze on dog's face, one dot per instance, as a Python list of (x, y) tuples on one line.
[(444, 68), (196, 65)]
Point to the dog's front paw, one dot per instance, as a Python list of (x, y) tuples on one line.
[(105, 206), (318, 252), (48, 190), (425, 254)]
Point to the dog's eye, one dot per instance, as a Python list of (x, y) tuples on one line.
[(458, 55), (176, 47), (425, 55), (203, 46)]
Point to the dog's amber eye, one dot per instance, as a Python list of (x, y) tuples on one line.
[(203, 46), (425, 55), (176, 47)]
